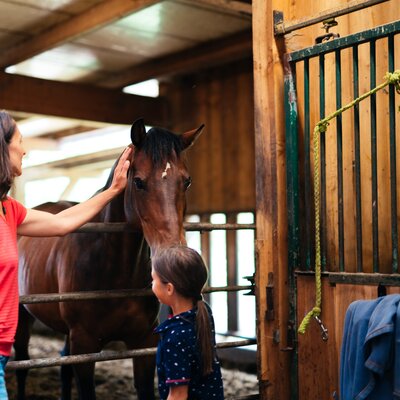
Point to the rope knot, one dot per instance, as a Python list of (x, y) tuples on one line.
[(393, 78), (323, 126), (316, 311)]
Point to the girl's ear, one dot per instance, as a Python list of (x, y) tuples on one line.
[(170, 289)]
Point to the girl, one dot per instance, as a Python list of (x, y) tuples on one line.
[(187, 365), (16, 219)]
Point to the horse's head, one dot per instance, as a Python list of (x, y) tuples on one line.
[(157, 183)]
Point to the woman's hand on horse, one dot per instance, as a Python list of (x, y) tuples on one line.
[(120, 177)]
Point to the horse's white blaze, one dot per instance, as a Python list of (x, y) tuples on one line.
[(167, 167)]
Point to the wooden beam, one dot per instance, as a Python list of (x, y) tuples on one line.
[(203, 56), (97, 16), (271, 217), (235, 6), (71, 100)]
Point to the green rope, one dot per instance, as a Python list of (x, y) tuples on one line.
[(321, 127)]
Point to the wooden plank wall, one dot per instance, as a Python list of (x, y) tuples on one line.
[(319, 360), (221, 162)]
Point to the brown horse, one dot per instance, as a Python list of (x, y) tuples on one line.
[(153, 203)]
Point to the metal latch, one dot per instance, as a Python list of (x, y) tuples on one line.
[(327, 24)]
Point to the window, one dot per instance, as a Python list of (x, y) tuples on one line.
[(230, 258)]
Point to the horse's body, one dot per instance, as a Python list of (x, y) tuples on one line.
[(154, 203)]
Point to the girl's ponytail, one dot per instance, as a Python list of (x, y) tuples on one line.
[(204, 337)]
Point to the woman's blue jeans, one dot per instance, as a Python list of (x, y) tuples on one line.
[(3, 389)]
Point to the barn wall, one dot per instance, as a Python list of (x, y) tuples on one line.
[(317, 373), (319, 361), (221, 162)]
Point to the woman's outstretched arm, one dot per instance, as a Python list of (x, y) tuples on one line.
[(41, 223)]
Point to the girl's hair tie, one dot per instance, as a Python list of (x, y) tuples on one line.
[(199, 297)]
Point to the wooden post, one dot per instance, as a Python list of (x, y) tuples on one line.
[(271, 274)]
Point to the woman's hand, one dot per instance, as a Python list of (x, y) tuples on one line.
[(120, 177)]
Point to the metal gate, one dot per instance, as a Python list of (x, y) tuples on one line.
[(107, 355), (358, 161)]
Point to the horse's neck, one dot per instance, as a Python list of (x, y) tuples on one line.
[(115, 211), (133, 249)]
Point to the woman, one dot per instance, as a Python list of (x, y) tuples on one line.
[(187, 365), (16, 219)]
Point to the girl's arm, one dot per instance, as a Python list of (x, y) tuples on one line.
[(178, 392), (41, 223)]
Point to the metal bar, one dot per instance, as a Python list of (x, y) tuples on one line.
[(231, 255), (322, 161), (292, 162), (293, 188), (364, 279), (109, 294), (110, 227), (283, 28), (339, 160), (105, 355), (357, 162), (345, 42), (374, 161), (307, 167), (393, 161), (205, 247), (357, 278)]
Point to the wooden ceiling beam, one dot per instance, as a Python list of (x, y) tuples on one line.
[(204, 56), (242, 8), (97, 16), (229, 5), (71, 100)]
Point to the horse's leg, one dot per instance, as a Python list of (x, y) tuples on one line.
[(80, 343), (144, 369), (66, 373), (21, 344)]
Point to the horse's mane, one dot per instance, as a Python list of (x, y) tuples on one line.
[(159, 144)]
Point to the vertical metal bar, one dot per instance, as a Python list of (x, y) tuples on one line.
[(339, 159), (292, 176), (231, 253), (307, 168), (357, 164), (374, 160), (292, 170), (205, 248), (393, 174), (322, 160)]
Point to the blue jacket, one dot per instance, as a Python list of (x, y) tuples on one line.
[(370, 355)]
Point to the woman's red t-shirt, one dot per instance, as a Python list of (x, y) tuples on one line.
[(15, 214)]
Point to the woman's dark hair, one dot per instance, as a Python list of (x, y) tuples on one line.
[(186, 270), (7, 129)]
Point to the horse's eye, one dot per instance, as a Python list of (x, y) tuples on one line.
[(187, 182), (139, 183)]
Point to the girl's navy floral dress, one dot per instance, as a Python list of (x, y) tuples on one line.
[(178, 359)]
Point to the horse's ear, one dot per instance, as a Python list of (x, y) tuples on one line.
[(138, 133), (188, 138)]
